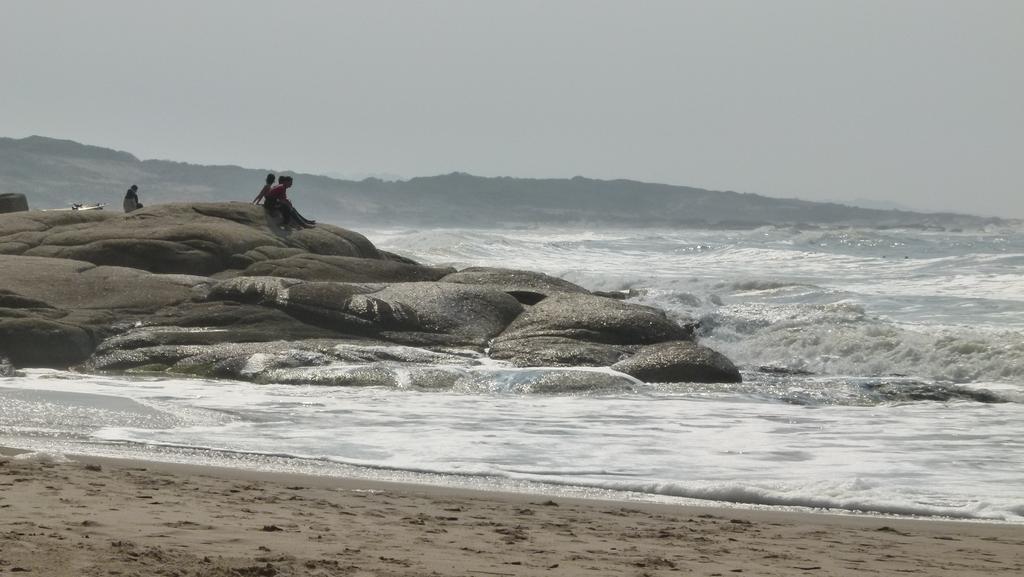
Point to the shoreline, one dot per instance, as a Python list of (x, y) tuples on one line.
[(100, 515), (355, 477)]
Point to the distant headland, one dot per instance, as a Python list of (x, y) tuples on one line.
[(54, 173)]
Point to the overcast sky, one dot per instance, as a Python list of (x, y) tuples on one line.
[(918, 102)]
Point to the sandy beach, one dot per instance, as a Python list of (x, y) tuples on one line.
[(93, 516)]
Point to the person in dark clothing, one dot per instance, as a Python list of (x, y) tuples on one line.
[(277, 199), (131, 199), (305, 222), (266, 188)]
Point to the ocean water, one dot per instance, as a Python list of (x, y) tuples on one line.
[(883, 373)]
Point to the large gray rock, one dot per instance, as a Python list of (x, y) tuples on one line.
[(471, 314), (22, 231), (31, 340), (347, 309), (558, 352), (35, 334), (11, 202), (173, 238), (573, 329), (594, 319), (71, 284), (53, 312), (679, 362), (417, 313)]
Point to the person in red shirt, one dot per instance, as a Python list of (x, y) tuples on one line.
[(277, 199)]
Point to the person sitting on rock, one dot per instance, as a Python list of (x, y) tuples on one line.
[(266, 188), (277, 199), (299, 219), (131, 199)]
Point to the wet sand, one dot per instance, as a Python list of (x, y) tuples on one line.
[(94, 516)]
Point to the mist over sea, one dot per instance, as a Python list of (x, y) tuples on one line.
[(883, 372)]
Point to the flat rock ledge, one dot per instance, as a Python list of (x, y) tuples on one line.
[(219, 290)]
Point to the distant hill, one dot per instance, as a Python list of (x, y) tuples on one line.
[(54, 173)]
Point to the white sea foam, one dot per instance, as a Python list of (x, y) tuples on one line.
[(42, 457), (840, 445)]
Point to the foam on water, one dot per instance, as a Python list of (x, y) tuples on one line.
[(867, 444), (943, 306)]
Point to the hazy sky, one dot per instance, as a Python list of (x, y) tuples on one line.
[(919, 102)]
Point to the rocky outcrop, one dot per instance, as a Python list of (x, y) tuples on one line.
[(217, 290), (11, 202), (563, 321), (438, 313), (679, 361), (34, 340), (191, 239), (53, 312), (76, 285), (583, 329)]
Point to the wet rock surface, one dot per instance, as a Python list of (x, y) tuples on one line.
[(344, 269), (590, 318), (217, 290), (53, 312), (679, 361), (526, 286), (542, 351)]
